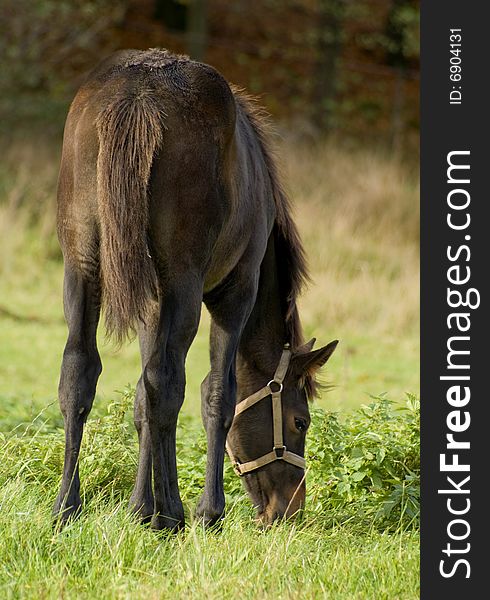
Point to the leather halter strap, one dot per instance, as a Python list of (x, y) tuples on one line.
[(279, 451)]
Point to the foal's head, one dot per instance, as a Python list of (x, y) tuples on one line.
[(267, 438)]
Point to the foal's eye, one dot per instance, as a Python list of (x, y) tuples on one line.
[(301, 424)]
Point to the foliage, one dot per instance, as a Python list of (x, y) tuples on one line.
[(322, 63), (331, 552), (400, 38), (364, 467), (367, 465), (341, 548), (47, 47)]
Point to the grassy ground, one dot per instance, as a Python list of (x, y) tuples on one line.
[(358, 215), (358, 537), (107, 555)]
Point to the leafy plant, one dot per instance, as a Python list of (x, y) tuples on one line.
[(367, 465), (364, 467)]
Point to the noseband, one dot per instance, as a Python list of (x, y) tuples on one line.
[(279, 451)]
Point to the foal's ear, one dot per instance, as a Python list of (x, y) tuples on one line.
[(310, 361), (305, 348)]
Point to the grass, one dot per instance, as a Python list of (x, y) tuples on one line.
[(358, 214), (348, 544), (107, 555)]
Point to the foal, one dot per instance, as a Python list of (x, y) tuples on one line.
[(168, 197)]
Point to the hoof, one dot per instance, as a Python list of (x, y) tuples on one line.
[(65, 510), (210, 517), (166, 523), (214, 522), (142, 509)]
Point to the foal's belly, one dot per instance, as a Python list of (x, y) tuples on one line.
[(241, 250), (222, 263)]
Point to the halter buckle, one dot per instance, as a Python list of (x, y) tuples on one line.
[(273, 381), (236, 468), (279, 451)]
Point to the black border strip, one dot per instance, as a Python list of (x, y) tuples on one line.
[(446, 128)]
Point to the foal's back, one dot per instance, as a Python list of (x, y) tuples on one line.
[(149, 184)]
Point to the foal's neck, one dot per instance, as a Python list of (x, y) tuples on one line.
[(265, 334)]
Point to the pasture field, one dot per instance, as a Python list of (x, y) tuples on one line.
[(358, 214)]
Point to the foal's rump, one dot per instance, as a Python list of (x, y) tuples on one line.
[(144, 153)]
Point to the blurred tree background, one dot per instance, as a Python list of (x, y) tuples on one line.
[(349, 67), (340, 78)]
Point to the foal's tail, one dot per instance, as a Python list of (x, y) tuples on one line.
[(130, 131)]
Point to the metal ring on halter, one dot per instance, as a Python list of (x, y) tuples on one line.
[(279, 451), (277, 383)]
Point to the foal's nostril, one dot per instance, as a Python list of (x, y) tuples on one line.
[(275, 517)]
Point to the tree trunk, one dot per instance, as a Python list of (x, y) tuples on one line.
[(197, 29), (329, 47)]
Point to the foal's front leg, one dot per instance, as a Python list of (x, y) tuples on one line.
[(218, 390), (80, 369)]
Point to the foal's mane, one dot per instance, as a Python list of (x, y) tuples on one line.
[(291, 263)]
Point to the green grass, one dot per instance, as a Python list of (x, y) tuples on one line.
[(107, 555), (358, 216), (358, 537), (34, 333)]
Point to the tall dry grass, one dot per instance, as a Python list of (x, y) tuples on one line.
[(357, 210), (358, 213), (28, 176)]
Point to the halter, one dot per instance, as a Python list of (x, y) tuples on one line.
[(279, 450)]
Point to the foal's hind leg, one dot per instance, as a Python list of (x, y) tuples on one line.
[(141, 501), (80, 370), (164, 380)]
